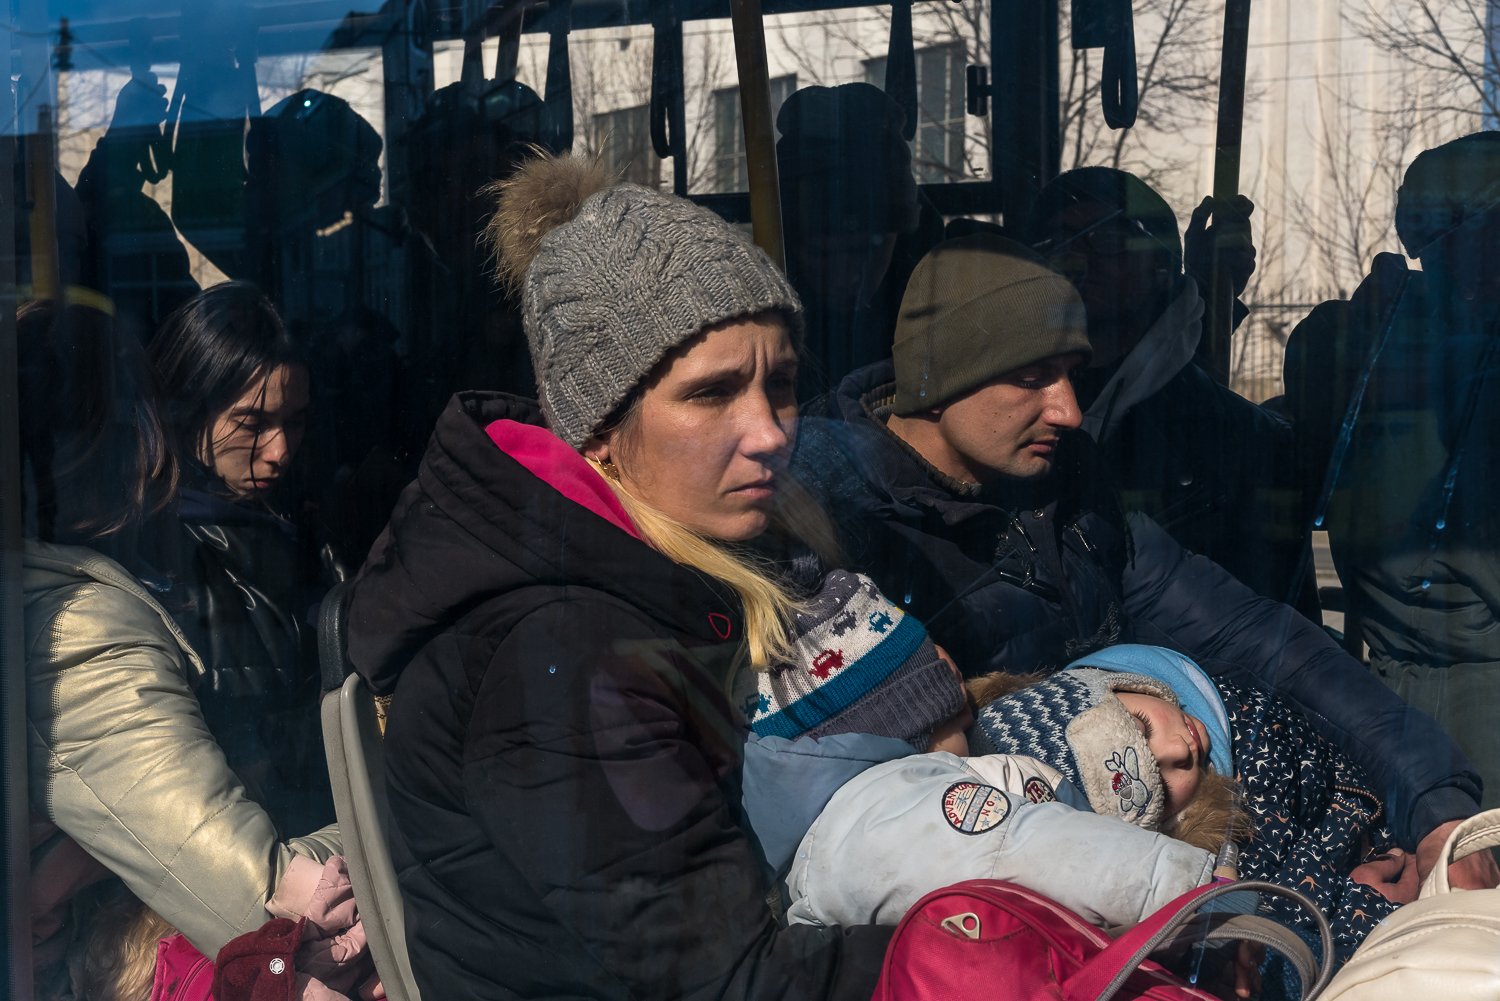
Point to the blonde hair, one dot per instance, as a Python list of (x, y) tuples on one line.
[(986, 688), (1213, 816), (767, 603), (113, 957)]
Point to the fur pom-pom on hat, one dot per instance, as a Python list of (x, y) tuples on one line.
[(541, 195), (613, 277)]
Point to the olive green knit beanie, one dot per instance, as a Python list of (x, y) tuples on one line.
[(613, 277), (976, 308)]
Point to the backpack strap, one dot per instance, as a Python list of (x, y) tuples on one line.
[(1101, 977)]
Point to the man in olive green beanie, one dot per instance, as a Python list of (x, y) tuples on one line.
[(985, 339), (959, 482), (976, 308)]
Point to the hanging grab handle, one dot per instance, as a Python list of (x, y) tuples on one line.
[(1109, 25)]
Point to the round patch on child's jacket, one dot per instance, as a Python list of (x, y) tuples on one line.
[(972, 808), (1038, 791)]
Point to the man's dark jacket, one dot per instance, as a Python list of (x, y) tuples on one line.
[(1027, 576), (1218, 473), (563, 758)]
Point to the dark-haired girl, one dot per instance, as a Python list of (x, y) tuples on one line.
[(237, 579)]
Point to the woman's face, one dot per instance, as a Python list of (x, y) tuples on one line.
[(713, 431), (250, 445)]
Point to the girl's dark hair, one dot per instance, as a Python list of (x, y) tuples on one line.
[(94, 457), (209, 351)]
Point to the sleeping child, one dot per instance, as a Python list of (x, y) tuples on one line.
[(1209, 755), (860, 824)]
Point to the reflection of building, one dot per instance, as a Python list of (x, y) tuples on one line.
[(1332, 118), (938, 150), (817, 48), (731, 171), (624, 136)]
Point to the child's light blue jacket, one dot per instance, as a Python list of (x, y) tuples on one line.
[(862, 827)]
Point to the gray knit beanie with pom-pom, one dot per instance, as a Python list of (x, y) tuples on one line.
[(613, 277)]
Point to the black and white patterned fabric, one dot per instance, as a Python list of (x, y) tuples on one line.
[(1315, 816)]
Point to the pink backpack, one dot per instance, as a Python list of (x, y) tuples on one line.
[(994, 940)]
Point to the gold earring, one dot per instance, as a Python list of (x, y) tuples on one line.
[(607, 467)]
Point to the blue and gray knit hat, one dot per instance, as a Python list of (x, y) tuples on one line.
[(1073, 722), (860, 665)]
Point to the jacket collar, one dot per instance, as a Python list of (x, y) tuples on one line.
[(478, 524), (549, 459)]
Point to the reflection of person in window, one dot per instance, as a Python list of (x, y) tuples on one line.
[(1412, 520), (847, 196), (1161, 421), (235, 401), (258, 202), (126, 225)]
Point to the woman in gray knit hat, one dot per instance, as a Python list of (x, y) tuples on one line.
[(564, 608)]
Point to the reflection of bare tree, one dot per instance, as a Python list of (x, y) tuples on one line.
[(1326, 231), (1177, 49), (1431, 59), (1448, 42), (611, 74), (1364, 129), (1177, 76), (860, 36), (1347, 217), (709, 66)]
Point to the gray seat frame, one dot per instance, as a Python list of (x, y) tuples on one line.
[(356, 767)]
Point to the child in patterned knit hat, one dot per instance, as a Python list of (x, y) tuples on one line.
[(859, 789), (1123, 738), (862, 665)]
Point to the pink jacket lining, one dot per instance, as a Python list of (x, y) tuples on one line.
[(549, 459)]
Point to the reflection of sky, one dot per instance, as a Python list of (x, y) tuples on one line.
[(99, 26), (95, 10)]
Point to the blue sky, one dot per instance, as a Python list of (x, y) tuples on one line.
[(100, 21)]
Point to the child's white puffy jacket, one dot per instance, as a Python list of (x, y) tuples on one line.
[(900, 827)]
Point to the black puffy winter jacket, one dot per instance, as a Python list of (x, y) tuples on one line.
[(234, 579), (1026, 577), (563, 754)]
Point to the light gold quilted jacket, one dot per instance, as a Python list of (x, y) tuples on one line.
[(120, 758)]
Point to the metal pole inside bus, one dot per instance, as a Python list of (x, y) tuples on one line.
[(1214, 351), (760, 131)]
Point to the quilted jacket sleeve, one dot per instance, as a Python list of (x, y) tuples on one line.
[(1189, 603), (121, 760)]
